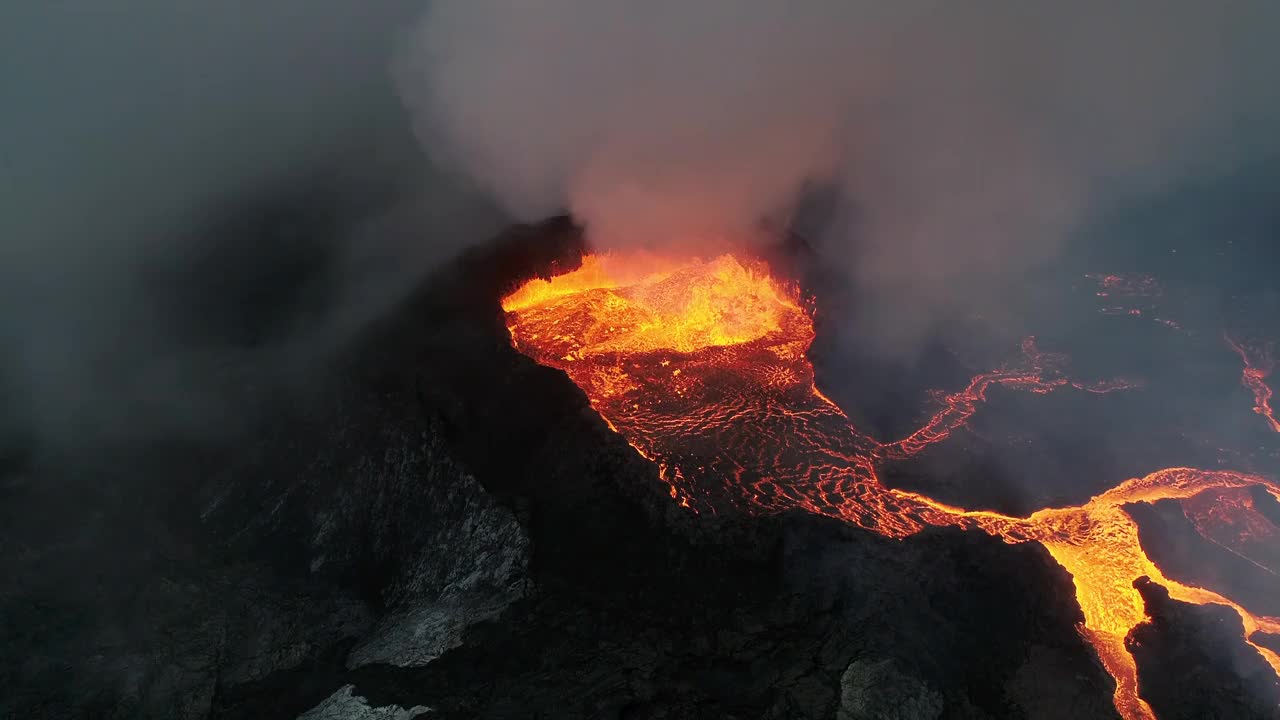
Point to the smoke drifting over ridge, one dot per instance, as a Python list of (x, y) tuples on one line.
[(968, 141)]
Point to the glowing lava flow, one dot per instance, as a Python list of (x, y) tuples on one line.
[(1042, 374), (1254, 377), (701, 366)]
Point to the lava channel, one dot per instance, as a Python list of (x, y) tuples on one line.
[(701, 365)]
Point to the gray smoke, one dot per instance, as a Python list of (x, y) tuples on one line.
[(968, 141), (136, 138)]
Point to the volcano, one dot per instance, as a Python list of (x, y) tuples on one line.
[(558, 484)]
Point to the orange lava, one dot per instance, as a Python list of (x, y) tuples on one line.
[(1254, 377), (701, 365), (1230, 519)]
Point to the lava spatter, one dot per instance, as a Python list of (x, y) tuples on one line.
[(701, 365)]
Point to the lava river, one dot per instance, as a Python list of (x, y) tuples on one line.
[(701, 365)]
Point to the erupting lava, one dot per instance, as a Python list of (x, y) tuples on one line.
[(702, 367)]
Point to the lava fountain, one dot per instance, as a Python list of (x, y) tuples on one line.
[(701, 365)]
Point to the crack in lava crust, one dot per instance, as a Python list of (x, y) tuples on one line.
[(702, 367), (1254, 377)]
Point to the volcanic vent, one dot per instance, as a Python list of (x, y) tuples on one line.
[(701, 365)]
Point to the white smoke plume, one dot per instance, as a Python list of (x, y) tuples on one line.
[(968, 140)]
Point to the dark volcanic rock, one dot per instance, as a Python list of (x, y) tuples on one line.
[(1193, 662), (1266, 504), (871, 689), (381, 507), (108, 619), (342, 705), (965, 622)]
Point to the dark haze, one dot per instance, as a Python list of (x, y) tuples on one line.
[(193, 192)]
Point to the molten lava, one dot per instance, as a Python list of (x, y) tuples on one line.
[(1254, 377), (702, 367)]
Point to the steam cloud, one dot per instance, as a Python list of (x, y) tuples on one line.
[(968, 141)]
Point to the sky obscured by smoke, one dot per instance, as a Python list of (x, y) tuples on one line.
[(165, 165), (157, 158), (968, 140)]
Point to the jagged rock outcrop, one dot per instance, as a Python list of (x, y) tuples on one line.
[(466, 571), (342, 705)]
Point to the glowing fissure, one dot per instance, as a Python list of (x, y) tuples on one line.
[(701, 365), (1254, 377)]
